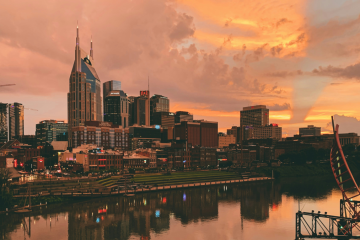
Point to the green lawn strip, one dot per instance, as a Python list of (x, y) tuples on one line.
[(184, 177), (186, 174), (178, 181), (107, 180), (186, 182)]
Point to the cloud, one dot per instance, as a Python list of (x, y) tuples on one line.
[(284, 74), (279, 107), (346, 124), (257, 54), (349, 72), (227, 22), (298, 40), (183, 27), (277, 49), (282, 21), (239, 56)]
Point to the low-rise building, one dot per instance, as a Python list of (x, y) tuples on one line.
[(101, 134), (106, 160), (310, 130), (135, 161), (226, 140)]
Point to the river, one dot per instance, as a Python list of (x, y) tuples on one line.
[(263, 210)]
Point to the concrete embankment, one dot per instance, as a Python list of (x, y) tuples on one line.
[(114, 191)]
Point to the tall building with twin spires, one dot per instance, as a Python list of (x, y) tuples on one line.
[(84, 99)]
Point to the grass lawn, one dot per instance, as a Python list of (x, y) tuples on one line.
[(185, 177), (175, 178)]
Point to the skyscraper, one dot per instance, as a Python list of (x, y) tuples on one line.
[(116, 108), (110, 86), (4, 121), (84, 99), (16, 120), (158, 103), (139, 113)]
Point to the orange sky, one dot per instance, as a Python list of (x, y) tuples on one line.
[(211, 58)]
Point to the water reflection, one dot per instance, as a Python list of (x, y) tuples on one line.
[(149, 215)]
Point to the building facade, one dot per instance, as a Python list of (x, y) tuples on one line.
[(105, 161), (16, 120), (158, 103), (51, 130), (310, 130), (101, 134), (108, 86), (226, 140), (254, 116), (4, 122), (84, 100), (164, 119), (188, 131), (183, 116), (139, 109), (198, 133), (269, 131), (116, 108)]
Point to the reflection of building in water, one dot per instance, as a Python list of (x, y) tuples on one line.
[(256, 201), (123, 217), (190, 205)]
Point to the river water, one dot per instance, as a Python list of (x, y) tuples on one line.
[(263, 210)]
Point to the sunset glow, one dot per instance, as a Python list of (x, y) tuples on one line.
[(211, 58)]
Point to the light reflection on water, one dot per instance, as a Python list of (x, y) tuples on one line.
[(248, 211)]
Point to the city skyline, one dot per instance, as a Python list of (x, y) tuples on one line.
[(211, 65)]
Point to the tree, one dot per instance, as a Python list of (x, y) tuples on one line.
[(4, 183), (5, 196)]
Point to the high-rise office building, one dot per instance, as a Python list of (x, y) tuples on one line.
[(51, 130), (165, 119), (254, 116), (139, 109), (116, 108), (4, 122), (16, 120), (183, 116), (110, 86), (310, 130), (132, 109), (84, 99), (158, 103)]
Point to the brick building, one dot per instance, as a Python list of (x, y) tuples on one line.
[(105, 161), (198, 133)]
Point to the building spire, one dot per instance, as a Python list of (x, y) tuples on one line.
[(148, 85), (77, 51), (91, 50)]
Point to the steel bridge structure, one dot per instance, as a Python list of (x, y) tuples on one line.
[(317, 225)]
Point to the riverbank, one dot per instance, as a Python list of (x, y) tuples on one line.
[(57, 197), (321, 169), (296, 171)]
